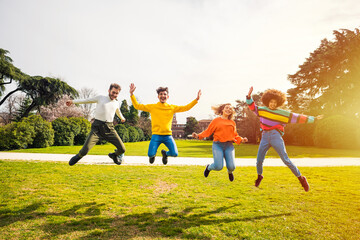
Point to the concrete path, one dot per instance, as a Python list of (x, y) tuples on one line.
[(142, 160)]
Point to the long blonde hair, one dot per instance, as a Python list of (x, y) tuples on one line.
[(218, 110)]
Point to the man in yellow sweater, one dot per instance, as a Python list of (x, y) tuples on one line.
[(161, 119)]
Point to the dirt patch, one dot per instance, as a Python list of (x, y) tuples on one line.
[(161, 187)]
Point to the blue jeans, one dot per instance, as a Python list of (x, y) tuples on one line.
[(169, 142), (273, 139), (223, 150)]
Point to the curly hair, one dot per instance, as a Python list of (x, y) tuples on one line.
[(218, 110), (162, 89), (269, 94)]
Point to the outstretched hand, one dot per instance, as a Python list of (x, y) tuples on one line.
[(132, 89), (198, 95), (250, 91), (195, 135), (244, 140), (68, 103)]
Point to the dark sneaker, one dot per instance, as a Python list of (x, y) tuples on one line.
[(116, 159), (258, 180), (206, 171), (151, 160), (231, 177), (165, 157), (304, 183), (74, 160)]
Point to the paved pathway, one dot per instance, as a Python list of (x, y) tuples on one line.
[(142, 160)]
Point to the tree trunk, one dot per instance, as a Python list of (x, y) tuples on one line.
[(8, 95), (28, 110)]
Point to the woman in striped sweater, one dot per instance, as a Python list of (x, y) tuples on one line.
[(272, 123), (224, 130)]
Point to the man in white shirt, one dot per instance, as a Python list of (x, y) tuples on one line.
[(103, 127)]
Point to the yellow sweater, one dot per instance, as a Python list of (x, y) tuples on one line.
[(161, 114)]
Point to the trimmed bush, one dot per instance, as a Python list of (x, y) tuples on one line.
[(65, 131), (141, 134), (133, 134), (16, 135), (84, 131), (123, 132), (44, 133), (337, 132)]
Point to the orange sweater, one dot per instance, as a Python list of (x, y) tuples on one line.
[(224, 130)]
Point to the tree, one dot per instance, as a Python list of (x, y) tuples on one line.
[(337, 131), (124, 108), (11, 108), (8, 72), (247, 123), (39, 90), (145, 125), (328, 82), (59, 109), (133, 116), (87, 109), (192, 125)]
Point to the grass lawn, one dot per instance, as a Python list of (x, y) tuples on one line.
[(193, 148), (45, 200)]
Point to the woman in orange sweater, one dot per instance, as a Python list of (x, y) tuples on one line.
[(224, 130)]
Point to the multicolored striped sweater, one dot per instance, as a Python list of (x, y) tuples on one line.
[(278, 118)]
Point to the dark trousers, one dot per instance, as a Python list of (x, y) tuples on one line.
[(102, 130)]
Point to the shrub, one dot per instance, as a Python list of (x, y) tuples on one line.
[(299, 134), (85, 128), (133, 134), (44, 133), (65, 131), (16, 135), (123, 132), (336, 132), (141, 134)]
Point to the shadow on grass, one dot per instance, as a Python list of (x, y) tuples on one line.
[(86, 219)]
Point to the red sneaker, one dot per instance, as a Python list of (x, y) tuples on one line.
[(258, 180), (304, 183)]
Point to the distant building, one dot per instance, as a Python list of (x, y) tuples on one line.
[(203, 124), (178, 129)]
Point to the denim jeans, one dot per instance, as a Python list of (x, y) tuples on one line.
[(169, 142), (273, 139), (223, 150)]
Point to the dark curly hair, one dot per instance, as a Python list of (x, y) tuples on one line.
[(162, 89), (269, 94)]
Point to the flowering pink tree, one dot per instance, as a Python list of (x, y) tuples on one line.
[(59, 109)]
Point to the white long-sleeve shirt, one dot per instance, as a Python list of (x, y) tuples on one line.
[(105, 107)]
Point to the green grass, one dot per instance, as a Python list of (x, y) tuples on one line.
[(44, 200), (200, 149)]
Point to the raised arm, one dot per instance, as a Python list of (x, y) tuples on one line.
[(250, 91), (198, 95), (132, 89), (251, 103), (135, 103)]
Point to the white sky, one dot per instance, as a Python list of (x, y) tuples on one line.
[(219, 46)]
